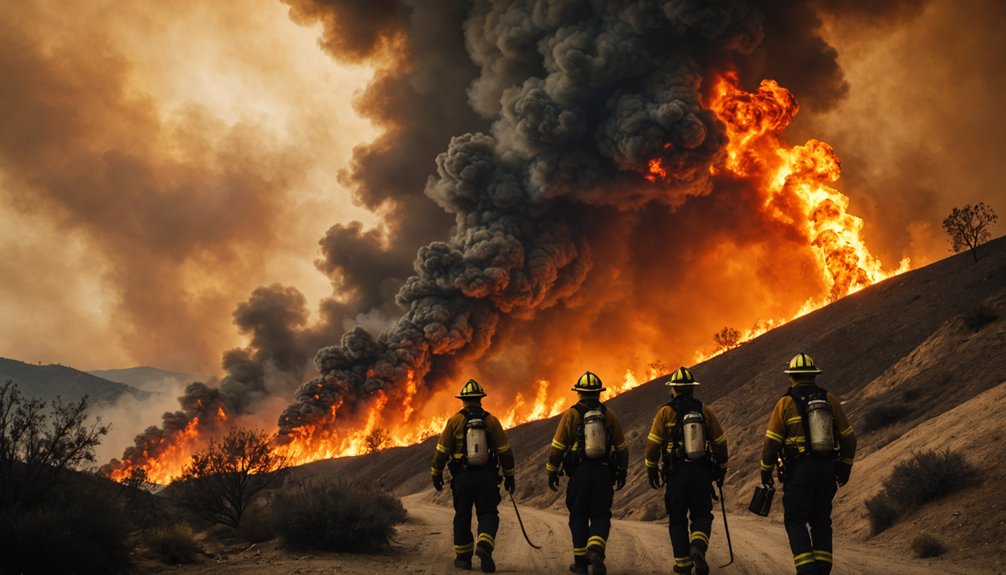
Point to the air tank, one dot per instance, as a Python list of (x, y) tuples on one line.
[(821, 424), (476, 442), (694, 436), (595, 441)]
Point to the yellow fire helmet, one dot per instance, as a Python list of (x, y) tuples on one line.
[(471, 390), (802, 364), (682, 376), (588, 382)]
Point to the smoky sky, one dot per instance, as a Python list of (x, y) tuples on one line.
[(509, 231)]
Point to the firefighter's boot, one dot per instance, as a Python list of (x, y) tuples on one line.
[(698, 555), (579, 565), (596, 559), (485, 554), (463, 561)]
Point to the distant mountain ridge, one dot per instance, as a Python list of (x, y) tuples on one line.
[(47, 382), (147, 378)]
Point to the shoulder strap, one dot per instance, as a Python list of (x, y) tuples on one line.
[(801, 397), (681, 406)]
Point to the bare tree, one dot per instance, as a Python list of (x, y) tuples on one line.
[(968, 227), (376, 439), (38, 445), (223, 479), (727, 338)]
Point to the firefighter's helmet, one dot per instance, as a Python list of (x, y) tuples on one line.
[(471, 390), (588, 382), (681, 377), (802, 364)]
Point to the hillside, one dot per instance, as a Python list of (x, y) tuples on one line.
[(904, 340), (148, 378), (46, 382)]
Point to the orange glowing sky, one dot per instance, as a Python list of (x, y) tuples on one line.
[(239, 97)]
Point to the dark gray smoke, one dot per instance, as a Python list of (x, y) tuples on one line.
[(582, 95), (560, 107), (273, 364)]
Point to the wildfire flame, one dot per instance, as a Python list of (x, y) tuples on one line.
[(795, 183)]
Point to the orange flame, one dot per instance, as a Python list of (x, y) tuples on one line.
[(795, 182)]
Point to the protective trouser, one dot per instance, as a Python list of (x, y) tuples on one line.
[(810, 486), (476, 487), (688, 493), (589, 494)]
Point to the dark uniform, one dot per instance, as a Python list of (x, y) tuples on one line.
[(810, 480), (471, 485), (590, 492), (688, 483)]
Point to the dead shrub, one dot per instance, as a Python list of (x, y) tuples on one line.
[(979, 316), (174, 544), (333, 515), (924, 477), (883, 414), (880, 513), (927, 546)]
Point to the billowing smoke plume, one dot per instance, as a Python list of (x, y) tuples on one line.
[(583, 95), (551, 115)]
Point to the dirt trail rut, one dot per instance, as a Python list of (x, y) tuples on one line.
[(423, 546), (635, 547)]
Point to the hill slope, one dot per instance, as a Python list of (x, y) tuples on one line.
[(147, 378), (904, 340), (46, 382)]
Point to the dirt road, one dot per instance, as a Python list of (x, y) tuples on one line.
[(423, 546)]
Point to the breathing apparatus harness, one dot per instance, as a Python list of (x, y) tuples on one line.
[(577, 454), (673, 455), (459, 461), (789, 456)]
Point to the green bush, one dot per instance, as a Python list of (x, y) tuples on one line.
[(174, 544), (928, 546), (333, 515), (883, 414), (924, 477)]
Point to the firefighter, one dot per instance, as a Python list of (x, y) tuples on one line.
[(801, 437), (689, 442), (474, 448), (589, 447)]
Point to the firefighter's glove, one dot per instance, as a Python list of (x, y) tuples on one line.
[(766, 478), (842, 472), (553, 480), (508, 483), (653, 475), (719, 475), (620, 475), (438, 482)]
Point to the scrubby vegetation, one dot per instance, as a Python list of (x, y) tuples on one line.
[(924, 477), (928, 546), (882, 414), (54, 519), (222, 480), (333, 515), (173, 544), (979, 316)]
